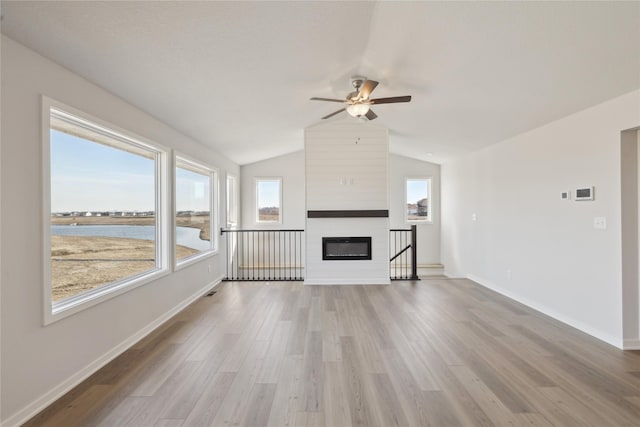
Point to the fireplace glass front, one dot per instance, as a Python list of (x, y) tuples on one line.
[(346, 248)]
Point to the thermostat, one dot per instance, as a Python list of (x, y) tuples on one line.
[(585, 193)]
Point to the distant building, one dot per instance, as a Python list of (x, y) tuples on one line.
[(423, 207)]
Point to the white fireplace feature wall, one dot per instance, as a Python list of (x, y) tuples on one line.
[(347, 195)]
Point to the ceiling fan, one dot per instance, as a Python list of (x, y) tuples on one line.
[(358, 102)]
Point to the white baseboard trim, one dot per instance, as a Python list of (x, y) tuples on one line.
[(347, 282), (51, 396), (632, 344), (587, 329), (454, 274)]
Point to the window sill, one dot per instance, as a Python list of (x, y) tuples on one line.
[(73, 305), (186, 262)]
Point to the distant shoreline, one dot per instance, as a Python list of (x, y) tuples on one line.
[(199, 222)]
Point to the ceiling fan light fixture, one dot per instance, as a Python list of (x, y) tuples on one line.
[(358, 110), (358, 103)]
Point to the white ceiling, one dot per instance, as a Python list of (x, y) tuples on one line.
[(237, 76)]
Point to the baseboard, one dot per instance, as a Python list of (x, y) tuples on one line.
[(454, 274), (614, 341), (51, 396), (347, 282), (632, 344)]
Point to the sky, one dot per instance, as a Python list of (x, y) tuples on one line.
[(268, 194), (417, 189), (192, 191), (87, 176)]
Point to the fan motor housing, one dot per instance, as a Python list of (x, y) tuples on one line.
[(357, 81)]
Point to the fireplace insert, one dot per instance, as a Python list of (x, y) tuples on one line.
[(346, 248)]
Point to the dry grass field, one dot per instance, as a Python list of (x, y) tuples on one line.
[(80, 263), (268, 217)]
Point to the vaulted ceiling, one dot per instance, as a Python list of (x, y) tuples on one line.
[(237, 76)]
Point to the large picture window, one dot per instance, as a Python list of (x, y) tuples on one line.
[(195, 218), (418, 200), (105, 212), (268, 200)]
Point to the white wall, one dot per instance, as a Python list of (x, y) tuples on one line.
[(528, 243), (347, 166), (40, 362), (291, 168), (401, 168)]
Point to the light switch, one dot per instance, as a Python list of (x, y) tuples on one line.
[(600, 223)]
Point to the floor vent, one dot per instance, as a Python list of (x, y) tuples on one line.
[(210, 294)]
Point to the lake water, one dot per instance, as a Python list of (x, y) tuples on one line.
[(185, 236)]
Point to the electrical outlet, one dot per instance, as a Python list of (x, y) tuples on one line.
[(600, 223), (210, 267), (509, 274)]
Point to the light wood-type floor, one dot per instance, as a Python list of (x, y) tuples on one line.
[(435, 352)]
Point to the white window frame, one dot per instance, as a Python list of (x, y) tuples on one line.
[(429, 218), (204, 169), (54, 311), (232, 197), (256, 180)]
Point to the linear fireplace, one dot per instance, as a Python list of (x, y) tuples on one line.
[(346, 248)]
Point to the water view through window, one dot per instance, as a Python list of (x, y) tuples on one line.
[(103, 208), (193, 209)]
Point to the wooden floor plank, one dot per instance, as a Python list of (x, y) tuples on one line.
[(356, 384), (259, 405), (336, 407), (210, 400), (287, 396)]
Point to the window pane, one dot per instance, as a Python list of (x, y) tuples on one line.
[(418, 200), (268, 200), (103, 219), (193, 212)]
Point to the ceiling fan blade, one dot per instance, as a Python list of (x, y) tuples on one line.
[(391, 100), (371, 115), (328, 99), (334, 113), (367, 88)]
